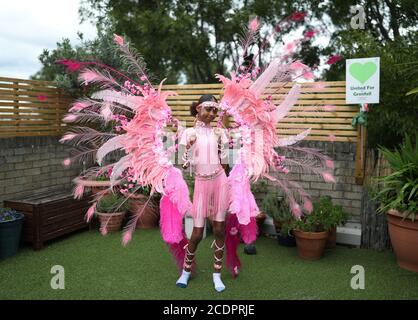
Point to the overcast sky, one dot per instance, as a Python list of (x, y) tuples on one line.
[(29, 26)]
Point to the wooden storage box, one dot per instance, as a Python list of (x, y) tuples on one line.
[(49, 215)]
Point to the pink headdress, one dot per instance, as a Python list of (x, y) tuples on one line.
[(212, 104)]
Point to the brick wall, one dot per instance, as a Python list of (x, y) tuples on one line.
[(345, 191), (34, 163), (30, 164)]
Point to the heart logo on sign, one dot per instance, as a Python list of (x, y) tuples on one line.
[(362, 71)]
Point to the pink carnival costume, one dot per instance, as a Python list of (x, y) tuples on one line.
[(141, 114), (211, 190)]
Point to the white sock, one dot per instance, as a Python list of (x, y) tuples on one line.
[(184, 278), (219, 285)]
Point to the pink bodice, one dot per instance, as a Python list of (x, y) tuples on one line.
[(205, 156)]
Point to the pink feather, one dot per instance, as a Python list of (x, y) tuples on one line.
[(70, 118), (118, 40), (66, 162), (232, 241), (329, 164), (78, 191), (90, 212), (328, 177), (68, 136), (127, 237), (249, 231)]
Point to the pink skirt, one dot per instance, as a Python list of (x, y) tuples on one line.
[(210, 199)]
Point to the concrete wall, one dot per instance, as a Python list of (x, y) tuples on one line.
[(30, 164)]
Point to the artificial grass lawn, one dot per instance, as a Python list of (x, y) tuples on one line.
[(99, 267)]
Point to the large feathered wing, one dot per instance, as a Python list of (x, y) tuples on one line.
[(137, 115)]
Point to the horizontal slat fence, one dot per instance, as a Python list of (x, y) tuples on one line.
[(309, 111), (33, 108)]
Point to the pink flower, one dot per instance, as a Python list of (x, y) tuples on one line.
[(277, 28), (41, 97), (296, 210), (254, 24), (118, 39), (298, 16), (66, 162), (143, 78), (332, 138), (72, 66), (290, 47), (328, 177), (307, 205), (333, 59), (309, 34), (329, 108)]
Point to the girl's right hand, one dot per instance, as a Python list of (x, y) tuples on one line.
[(192, 140)]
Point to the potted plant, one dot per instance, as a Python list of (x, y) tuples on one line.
[(311, 232), (141, 203), (332, 216), (101, 181), (10, 231), (282, 218), (398, 197), (110, 210)]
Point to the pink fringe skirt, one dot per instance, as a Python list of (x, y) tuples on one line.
[(210, 199)]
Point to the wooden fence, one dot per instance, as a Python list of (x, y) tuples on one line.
[(307, 113), (30, 108), (36, 108)]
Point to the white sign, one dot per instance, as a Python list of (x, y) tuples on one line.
[(362, 78)]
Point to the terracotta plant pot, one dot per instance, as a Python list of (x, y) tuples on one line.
[(310, 245), (404, 237), (332, 238), (150, 217), (112, 222)]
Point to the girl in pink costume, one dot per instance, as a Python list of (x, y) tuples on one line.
[(204, 150)]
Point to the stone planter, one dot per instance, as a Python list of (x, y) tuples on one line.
[(404, 237), (94, 185)]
